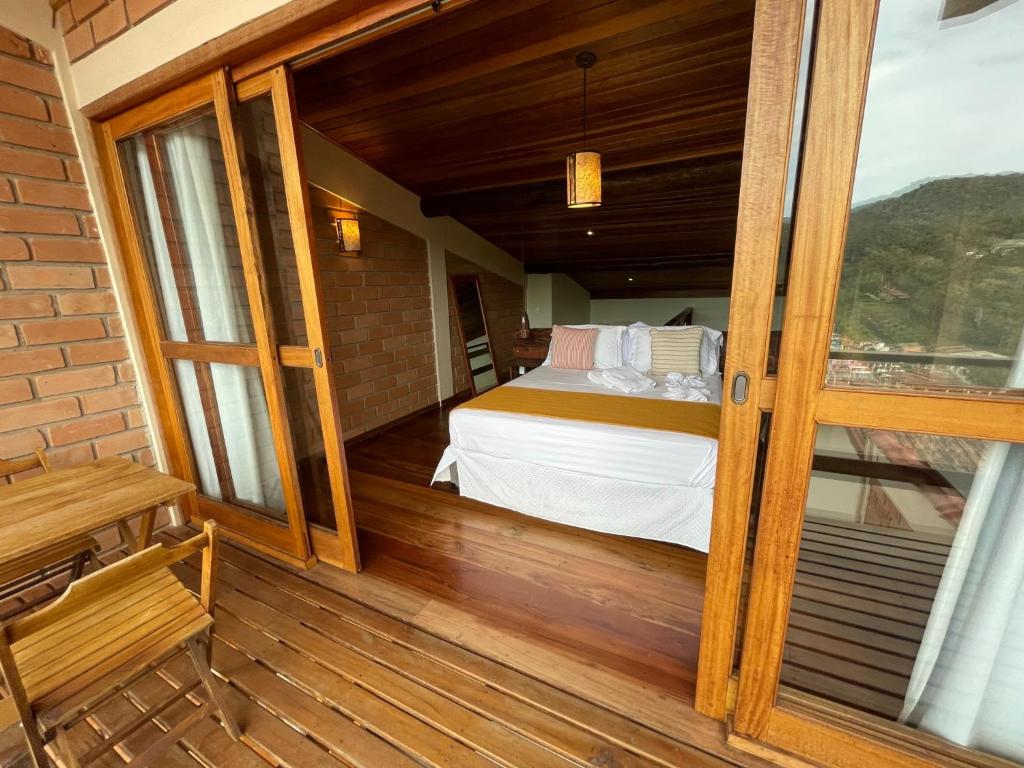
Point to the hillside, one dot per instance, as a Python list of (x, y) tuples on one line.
[(941, 265)]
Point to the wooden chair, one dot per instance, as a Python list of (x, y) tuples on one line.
[(36, 568), (109, 629)]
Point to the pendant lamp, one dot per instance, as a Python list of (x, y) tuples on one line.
[(583, 168)]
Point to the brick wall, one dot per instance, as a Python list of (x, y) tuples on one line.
[(65, 380), (378, 315), (503, 304), (91, 24)]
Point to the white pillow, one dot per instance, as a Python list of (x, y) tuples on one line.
[(607, 346), (638, 346)]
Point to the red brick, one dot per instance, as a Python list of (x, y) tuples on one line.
[(55, 331), (74, 171), (97, 352), (58, 115), (41, 55), (80, 250), (14, 391), (14, 101), (83, 9), (121, 443), (102, 277), (34, 414), (109, 22), (30, 361), (21, 444), (125, 372), (18, 306), (29, 75), (110, 399), (85, 428), (35, 276), (90, 227), (29, 133), (37, 221), (87, 303), (14, 44), (53, 194), (13, 249), (140, 9), (71, 456), (115, 328), (65, 17), (25, 163), (135, 418), (6, 191), (74, 380), (8, 336), (79, 41)]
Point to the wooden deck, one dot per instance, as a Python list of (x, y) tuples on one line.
[(316, 677)]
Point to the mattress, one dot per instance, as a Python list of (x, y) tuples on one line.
[(638, 482)]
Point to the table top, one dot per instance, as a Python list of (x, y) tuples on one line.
[(49, 508)]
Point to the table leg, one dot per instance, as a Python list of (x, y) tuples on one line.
[(146, 523), (127, 536)]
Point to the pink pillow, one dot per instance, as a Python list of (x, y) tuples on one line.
[(572, 347)]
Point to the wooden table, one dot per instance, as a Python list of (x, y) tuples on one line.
[(48, 509)]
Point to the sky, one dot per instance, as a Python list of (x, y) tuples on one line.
[(944, 99)]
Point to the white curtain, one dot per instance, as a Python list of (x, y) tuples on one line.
[(241, 405), (968, 679)]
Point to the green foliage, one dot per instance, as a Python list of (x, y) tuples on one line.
[(941, 265)]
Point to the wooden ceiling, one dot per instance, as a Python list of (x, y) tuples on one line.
[(476, 110)]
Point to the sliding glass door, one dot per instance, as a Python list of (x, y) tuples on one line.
[(885, 621), (214, 223)]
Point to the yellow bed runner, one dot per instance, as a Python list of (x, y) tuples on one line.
[(672, 415)]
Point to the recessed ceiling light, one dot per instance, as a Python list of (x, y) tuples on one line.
[(590, 233), (631, 279)]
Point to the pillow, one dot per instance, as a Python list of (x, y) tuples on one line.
[(676, 350), (572, 347), (608, 350), (638, 346)]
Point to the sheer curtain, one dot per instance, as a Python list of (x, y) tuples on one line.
[(241, 405), (968, 679)]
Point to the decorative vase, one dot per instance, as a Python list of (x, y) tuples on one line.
[(524, 332)]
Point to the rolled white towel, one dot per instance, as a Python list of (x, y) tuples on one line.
[(675, 380), (689, 394), (622, 379)]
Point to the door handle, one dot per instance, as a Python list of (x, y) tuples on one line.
[(739, 387)]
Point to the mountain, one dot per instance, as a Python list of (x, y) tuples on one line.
[(941, 265)]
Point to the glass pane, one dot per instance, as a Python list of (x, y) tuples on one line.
[(263, 159), (930, 295), (792, 179), (308, 445), (232, 444), (909, 595), (178, 191)]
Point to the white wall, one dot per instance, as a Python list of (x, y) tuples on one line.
[(330, 167), (710, 311), (556, 299), (570, 301)]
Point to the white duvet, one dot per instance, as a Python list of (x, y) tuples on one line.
[(647, 483)]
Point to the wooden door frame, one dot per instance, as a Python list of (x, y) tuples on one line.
[(806, 726), (771, 103), (339, 548), (291, 542)]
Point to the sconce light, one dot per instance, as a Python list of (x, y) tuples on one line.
[(348, 234)]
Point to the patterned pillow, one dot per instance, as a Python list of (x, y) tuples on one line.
[(676, 350), (572, 347)]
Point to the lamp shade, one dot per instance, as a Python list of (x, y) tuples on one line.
[(583, 179), (348, 235)]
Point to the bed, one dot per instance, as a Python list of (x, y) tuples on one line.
[(610, 477)]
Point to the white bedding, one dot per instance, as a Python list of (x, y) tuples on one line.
[(647, 483)]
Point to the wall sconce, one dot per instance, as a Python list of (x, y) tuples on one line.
[(348, 235)]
